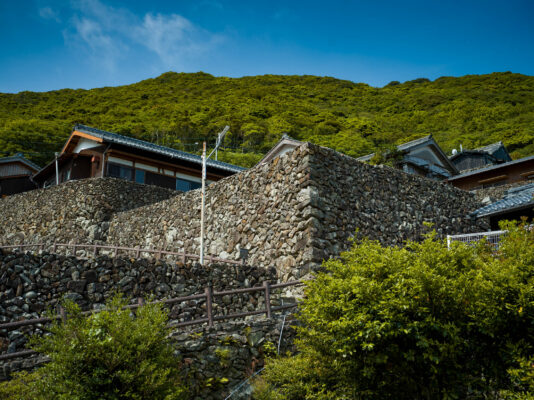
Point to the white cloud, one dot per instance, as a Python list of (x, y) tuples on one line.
[(101, 45), (49, 13), (173, 37), (110, 33)]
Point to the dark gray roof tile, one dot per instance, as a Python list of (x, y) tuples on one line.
[(515, 198), (110, 137), (20, 158)]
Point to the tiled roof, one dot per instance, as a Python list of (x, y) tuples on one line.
[(405, 147), (426, 164), (413, 143), (491, 167), (490, 148), (519, 197), (20, 158), (110, 137), (402, 147)]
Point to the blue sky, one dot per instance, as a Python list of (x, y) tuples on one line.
[(54, 44)]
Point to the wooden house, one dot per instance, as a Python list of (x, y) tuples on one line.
[(284, 145), (91, 152), (15, 175), (422, 157), (481, 157), (521, 170)]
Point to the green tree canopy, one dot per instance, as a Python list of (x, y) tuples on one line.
[(179, 110), (419, 322)]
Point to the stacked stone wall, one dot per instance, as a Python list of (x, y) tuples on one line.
[(299, 209), (264, 210), (214, 360), (491, 194), (382, 203), (30, 284), (290, 213), (73, 212)]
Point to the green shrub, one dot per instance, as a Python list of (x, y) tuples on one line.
[(23, 386), (419, 322), (108, 355)]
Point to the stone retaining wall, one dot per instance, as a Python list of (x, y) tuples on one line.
[(216, 362), (290, 213), (31, 284), (76, 211), (491, 194), (299, 209), (264, 210), (382, 203)]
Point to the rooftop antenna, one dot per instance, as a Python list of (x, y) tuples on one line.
[(220, 137)]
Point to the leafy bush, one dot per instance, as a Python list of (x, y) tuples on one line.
[(108, 355), (419, 322)]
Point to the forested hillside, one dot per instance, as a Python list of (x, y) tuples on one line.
[(180, 110)]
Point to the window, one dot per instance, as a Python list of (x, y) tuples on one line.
[(159, 180), (139, 176), (185, 185), (120, 171)]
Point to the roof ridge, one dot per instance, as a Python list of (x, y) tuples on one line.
[(20, 157), (145, 145)]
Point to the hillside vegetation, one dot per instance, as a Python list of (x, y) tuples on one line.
[(180, 110)]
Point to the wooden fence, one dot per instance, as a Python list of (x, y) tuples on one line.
[(94, 249), (210, 318)]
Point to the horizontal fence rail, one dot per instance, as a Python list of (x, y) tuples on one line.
[(95, 249), (492, 237), (210, 318)]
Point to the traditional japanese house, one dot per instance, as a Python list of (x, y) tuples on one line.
[(422, 157), (91, 152), (284, 145), (15, 175), (481, 157), (521, 170)]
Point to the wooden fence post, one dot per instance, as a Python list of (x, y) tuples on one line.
[(95, 250), (267, 287), (137, 252), (62, 314), (116, 251), (209, 300), (54, 247)]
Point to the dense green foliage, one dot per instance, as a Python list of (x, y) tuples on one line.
[(109, 355), (180, 109), (420, 322)]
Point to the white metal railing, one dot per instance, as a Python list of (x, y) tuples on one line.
[(492, 237)]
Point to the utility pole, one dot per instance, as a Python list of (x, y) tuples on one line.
[(57, 169), (220, 137), (203, 203)]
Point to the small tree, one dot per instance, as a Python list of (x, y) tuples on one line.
[(419, 322), (108, 355)]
